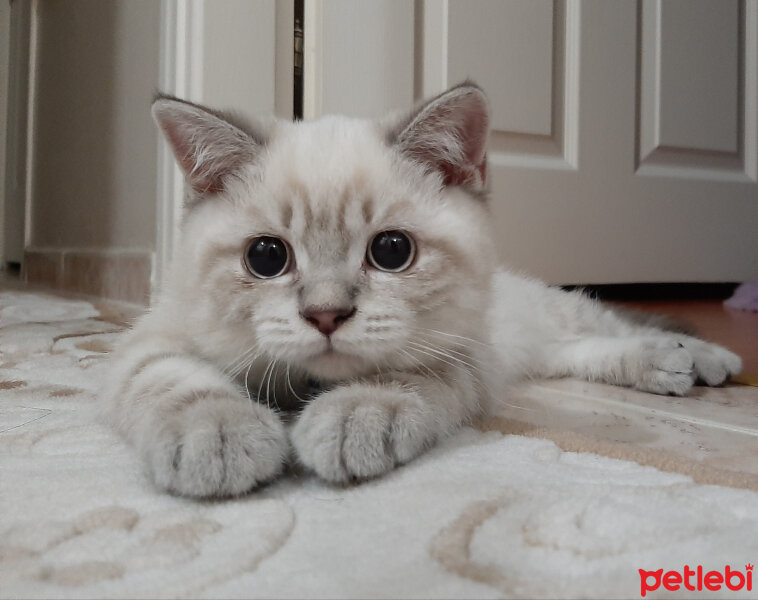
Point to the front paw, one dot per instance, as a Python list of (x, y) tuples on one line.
[(673, 365), (360, 431), (218, 447), (661, 366)]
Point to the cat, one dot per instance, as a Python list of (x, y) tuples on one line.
[(335, 298)]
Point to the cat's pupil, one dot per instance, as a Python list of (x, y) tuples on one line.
[(391, 251), (267, 257)]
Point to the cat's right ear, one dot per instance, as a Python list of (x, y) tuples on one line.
[(206, 145)]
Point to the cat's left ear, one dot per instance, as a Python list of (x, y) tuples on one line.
[(449, 134)]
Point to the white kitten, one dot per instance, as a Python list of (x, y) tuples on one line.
[(346, 268)]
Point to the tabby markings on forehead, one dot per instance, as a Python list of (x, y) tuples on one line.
[(342, 208), (285, 213), (307, 214), (323, 220), (297, 189), (367, 208)]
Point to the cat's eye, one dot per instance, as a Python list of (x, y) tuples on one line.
[(267, 257), (391, 251)]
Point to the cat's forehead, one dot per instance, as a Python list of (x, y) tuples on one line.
[(332, 151), (327, 185)]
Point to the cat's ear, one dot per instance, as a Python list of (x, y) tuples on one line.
[(206, 144), (449, 134)]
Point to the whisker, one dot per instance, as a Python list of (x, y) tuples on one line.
[(289, 384), (446, 353), (435, 356), (234, 368), (415, 360), (272, 374), (247, 387), (453, 335), (466, 365), (263, 378), (479, 381)]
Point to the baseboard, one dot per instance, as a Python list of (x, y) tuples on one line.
[(116, 274)]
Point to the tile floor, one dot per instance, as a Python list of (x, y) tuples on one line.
[(715, 427)]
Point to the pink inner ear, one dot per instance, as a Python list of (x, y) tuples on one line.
[(203, 180), (472, 132), (457, 175), (451, 136), (474, 136)]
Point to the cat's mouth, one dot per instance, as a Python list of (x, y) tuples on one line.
[(332, 363)]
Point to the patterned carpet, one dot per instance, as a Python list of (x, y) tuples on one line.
[(485, 515)]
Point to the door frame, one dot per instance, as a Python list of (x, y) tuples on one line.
[(18, 122), (181, 75)]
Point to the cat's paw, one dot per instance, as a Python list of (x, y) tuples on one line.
[(713, 364), (359, 432), (662, 366), (218, 447)]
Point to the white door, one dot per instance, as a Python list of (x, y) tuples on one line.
[(624, 144)]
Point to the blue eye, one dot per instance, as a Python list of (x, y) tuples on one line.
[(391, 251), (267, 257)]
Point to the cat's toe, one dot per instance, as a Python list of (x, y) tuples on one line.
[(317, 439), (366, 448), (220, 448), (666, 367), (713, 364), (666, 382)]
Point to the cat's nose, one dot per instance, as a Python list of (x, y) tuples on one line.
[(327, 321)]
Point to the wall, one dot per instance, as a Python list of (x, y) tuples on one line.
[(94, 175)]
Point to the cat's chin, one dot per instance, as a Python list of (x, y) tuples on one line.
[(332, 364)]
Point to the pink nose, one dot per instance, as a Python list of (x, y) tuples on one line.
[(327, 321)]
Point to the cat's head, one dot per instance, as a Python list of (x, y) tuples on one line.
[(338, 246)]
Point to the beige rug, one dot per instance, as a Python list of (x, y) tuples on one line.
[(485, 515)]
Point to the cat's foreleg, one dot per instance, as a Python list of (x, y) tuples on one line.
[(197, 432), (658, 362), (364, 429)]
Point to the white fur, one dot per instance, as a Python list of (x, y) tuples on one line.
[(201, 385)]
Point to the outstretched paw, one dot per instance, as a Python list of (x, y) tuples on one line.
[(218, 447), (672, 365), (358, 432)]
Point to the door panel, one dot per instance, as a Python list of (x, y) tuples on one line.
[(692, 95), (687, 67)]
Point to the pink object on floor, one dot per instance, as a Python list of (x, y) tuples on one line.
[(745, 297)]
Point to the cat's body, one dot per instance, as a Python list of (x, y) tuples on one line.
[(345, 269)]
